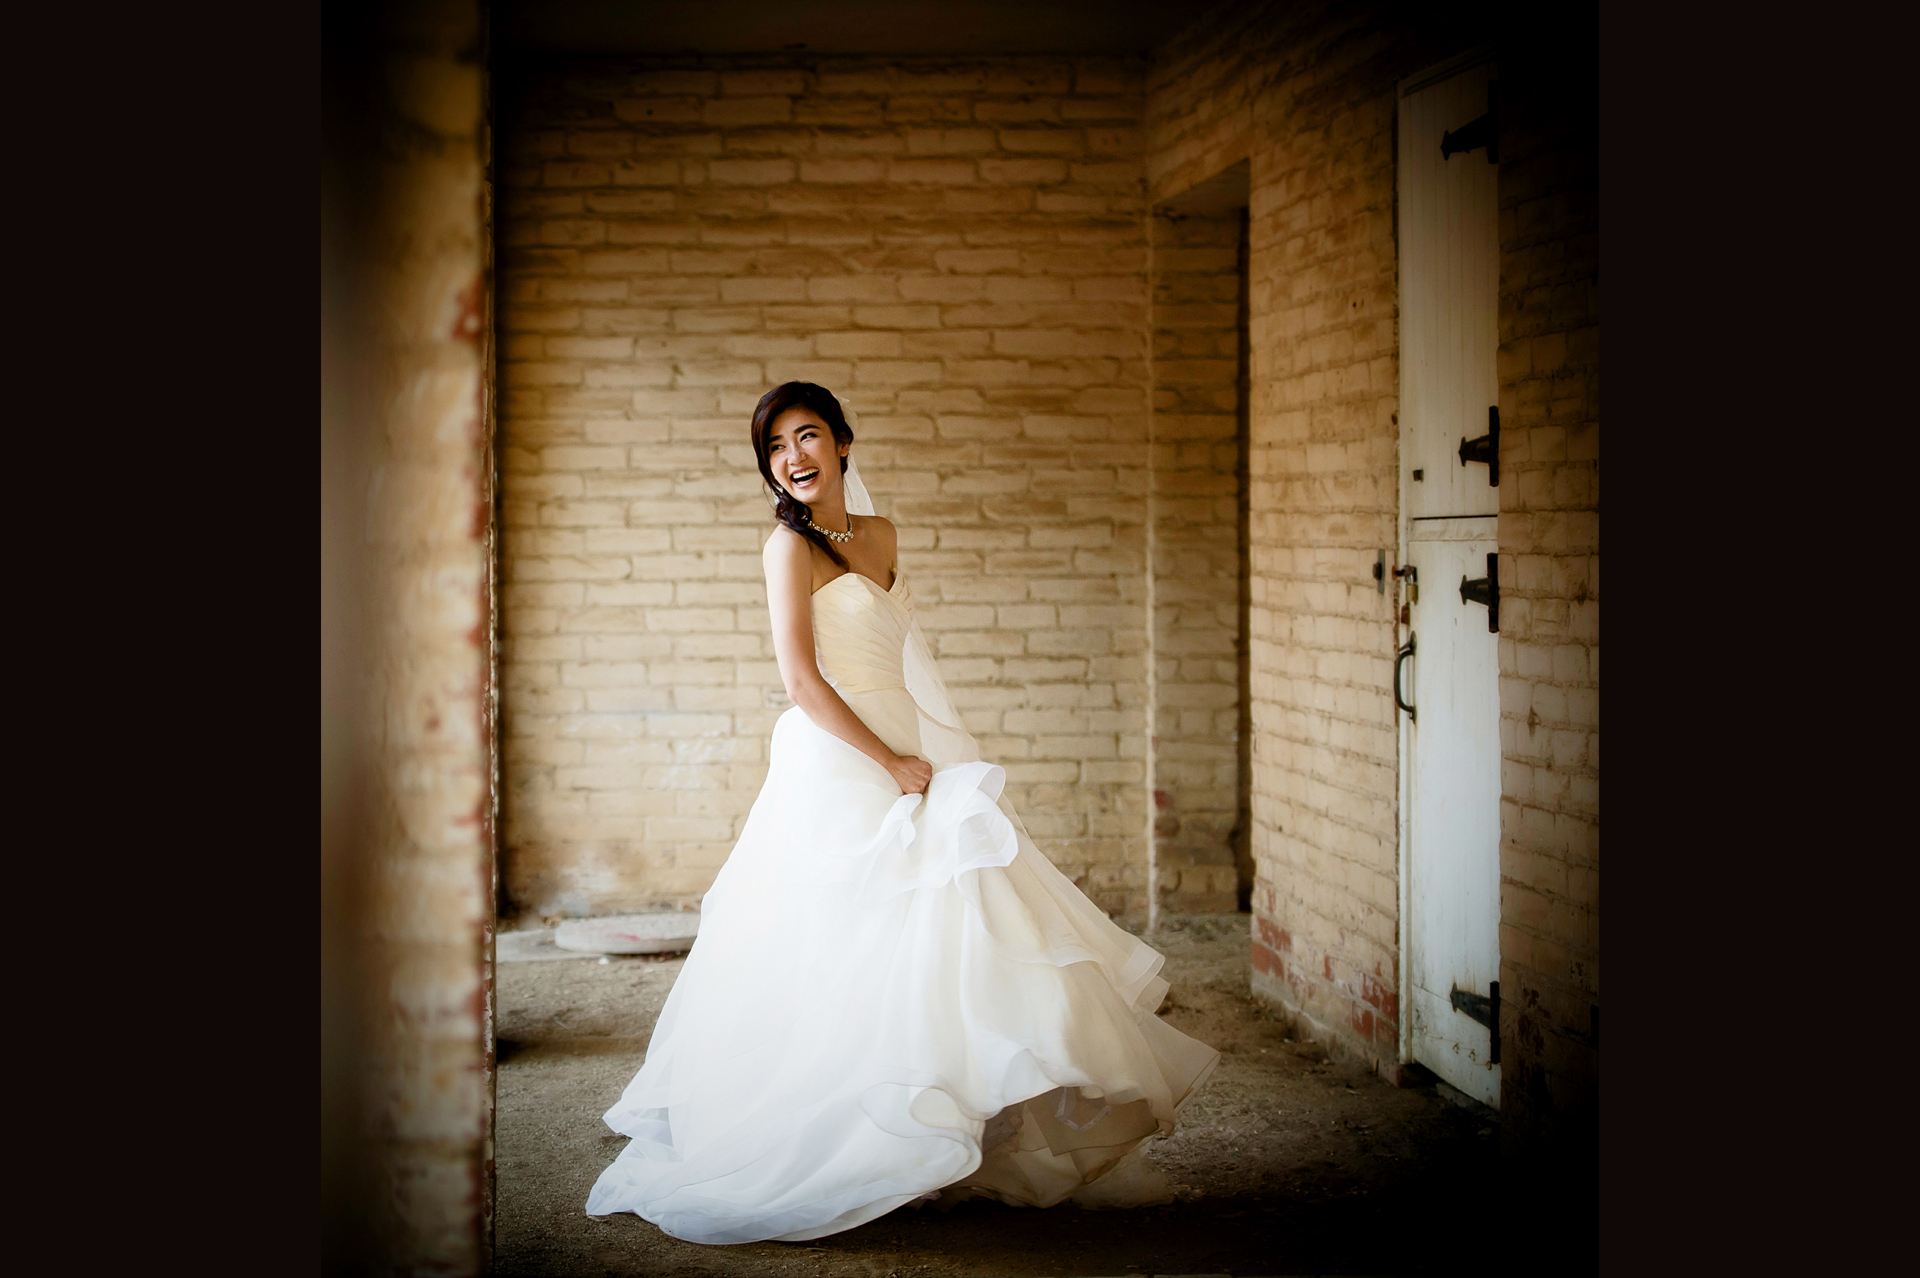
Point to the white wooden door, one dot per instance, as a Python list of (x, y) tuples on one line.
[(1454, 792), (1450, 745), (1449, 300)]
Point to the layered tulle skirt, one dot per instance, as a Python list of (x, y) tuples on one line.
[(890, 995)]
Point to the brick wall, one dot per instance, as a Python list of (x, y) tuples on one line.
[(1194, 755), (1306, 94), (982, 255), (958, 246), (407, 857), (1550, 584)]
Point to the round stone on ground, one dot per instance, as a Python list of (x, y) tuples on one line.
[(667, 932)]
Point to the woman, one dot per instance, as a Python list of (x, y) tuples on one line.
[(895, 996)]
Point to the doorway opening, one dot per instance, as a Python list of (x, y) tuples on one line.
[(1200, 757)]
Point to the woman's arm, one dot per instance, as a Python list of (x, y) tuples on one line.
[(789, 571)]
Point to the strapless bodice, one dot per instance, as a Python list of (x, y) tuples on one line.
[(860, 632)]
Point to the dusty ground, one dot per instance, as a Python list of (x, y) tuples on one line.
[(1286, 1163)]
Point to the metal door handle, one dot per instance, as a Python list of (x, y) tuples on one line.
[(1399, 662)]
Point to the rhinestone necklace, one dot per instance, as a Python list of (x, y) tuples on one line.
[(830, 533)]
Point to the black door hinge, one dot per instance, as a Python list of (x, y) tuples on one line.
[(1485, 590), (1486, 448), (1484, 1009), (1475, 134)]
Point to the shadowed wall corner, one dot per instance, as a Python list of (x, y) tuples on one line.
[(1549, 360)]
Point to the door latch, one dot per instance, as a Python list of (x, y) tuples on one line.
[(1486, 448), (1485, 590), (1485, 1010)]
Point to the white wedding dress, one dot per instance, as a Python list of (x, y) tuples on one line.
[(891, 994)]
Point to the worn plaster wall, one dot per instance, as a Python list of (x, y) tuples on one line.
[(1195, 584), (1550, 582), (407, 900), (959, 246)]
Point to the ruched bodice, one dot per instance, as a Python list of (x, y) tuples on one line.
[(860, 632)]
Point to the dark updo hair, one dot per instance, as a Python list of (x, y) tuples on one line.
[(818, 400)]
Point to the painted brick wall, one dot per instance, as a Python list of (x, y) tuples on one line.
[(967, 248), (1305, 93), (1550, 586), (957, 246), (1195, 584)]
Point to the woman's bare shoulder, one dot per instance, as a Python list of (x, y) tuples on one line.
[(885, 526), (784, 548)]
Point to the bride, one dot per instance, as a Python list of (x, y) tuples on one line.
[(895, 996)]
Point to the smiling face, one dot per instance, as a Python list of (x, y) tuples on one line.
[(803, 456)]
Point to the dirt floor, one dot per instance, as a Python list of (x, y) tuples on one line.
[(1285, 1163)]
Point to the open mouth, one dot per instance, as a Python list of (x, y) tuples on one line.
[(801, 478)]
